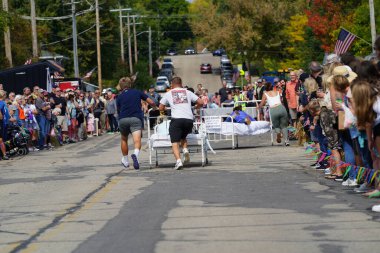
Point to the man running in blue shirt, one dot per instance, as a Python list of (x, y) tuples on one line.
[(131, 118)]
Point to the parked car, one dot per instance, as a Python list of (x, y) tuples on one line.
[(166, 72), (171, 52), (162, 84), (218, 52), (226, 66), (163, 78), (167, 65), (227, 74), (206, 68), (190, 50), (168, 60), (224, 57)]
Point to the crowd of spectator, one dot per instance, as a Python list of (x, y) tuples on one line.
[(334, 106), (56, 118)]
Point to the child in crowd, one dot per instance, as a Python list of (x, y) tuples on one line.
[(328, 124), (90, 123), (31, 124)]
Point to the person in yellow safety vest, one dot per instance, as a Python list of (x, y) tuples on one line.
[(240, 97)]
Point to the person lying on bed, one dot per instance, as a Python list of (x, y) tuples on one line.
[(239, 116)]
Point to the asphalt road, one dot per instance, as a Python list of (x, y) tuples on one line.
[(188, 68), (257, 198)]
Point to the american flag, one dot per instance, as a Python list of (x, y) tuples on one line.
[(89, 74), (57, 75), (344, 42), (28, 61)]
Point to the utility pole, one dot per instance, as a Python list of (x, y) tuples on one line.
[(120, 10), (7, 38), (121, 35), (150, 52), (34, 28), (75, 40), (98, 46), (135, 37), (373, 23), (129, 46)]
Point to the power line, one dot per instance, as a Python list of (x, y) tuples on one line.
[(68, 38), (80, 13)]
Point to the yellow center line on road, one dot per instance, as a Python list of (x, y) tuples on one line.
[(51, 232)]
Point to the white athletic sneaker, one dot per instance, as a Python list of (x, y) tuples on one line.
[(345, 183), (327, 171), (376, 208), (125, 163), (178, 165), (352, 182), (186, 158)]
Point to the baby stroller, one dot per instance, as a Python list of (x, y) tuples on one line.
[(17, 141)]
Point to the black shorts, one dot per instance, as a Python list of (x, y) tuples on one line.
[(179, 129), (376, 130)]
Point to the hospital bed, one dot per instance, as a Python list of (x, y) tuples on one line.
[(159, 140), (218, 129)]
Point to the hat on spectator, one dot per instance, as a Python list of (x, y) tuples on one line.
[(343, 71), (315, 66), (332, 58), (303, 77), (260, 80), (151, 87), (45, 93)]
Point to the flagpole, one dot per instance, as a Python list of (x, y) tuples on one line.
[(357, 36), (373, 24)]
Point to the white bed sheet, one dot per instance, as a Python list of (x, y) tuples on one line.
[(163, 140), (228, 128)]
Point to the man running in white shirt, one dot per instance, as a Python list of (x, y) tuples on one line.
[(179, 99)]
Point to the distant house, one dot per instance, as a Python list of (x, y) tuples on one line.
[(40, 73)]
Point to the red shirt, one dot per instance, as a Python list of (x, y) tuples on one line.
[(291, 95)]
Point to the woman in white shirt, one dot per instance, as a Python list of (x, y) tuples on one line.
[(277, 111)]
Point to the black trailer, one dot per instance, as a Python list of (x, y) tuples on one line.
[(40, 73)]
